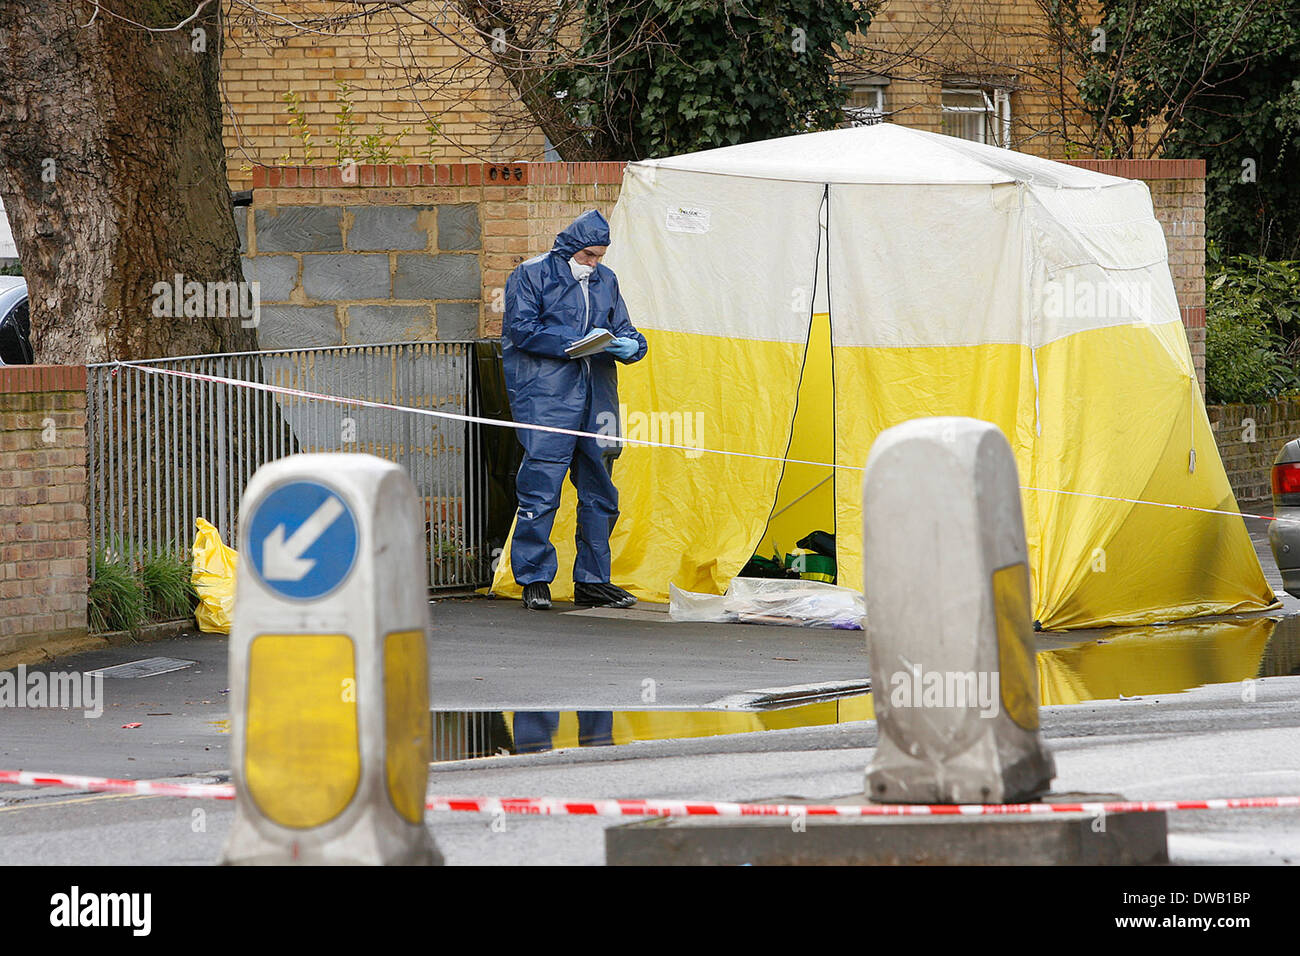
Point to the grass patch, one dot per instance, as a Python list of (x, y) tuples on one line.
[(168, 591), (116, 599), (123, 596)]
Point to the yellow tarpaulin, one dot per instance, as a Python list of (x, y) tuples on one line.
[(213, 575)]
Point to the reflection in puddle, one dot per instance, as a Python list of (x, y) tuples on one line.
[(458, 735), (1144, 661), (1129, 662)]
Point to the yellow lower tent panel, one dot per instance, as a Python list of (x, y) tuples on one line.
[(1100, 415), (805, 499), (1107, 561), (1119, 417), (686, 517), (879, 388)]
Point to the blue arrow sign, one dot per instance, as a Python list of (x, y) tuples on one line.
[(302, 540)]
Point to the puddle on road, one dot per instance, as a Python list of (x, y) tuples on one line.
[(1141, 662), (1128, 662)]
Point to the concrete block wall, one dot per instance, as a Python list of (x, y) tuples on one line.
[(1249, 437), (407, 252), (349, 267), (44, 534)]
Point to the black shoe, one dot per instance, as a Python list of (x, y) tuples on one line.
[(537, 597), (600, 595)]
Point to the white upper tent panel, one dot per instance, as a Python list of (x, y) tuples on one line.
[(883, 153)]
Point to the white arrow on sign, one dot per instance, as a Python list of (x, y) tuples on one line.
[(282, 560)]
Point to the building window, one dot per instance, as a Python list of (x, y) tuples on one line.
[(979, 115), (866, 105)]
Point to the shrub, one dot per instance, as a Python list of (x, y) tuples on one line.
[(123, 596), (116, 600), (169, 592), (1252, 328)]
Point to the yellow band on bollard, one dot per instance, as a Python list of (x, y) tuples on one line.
[(407, 745), (302, 755), (1017, 670)]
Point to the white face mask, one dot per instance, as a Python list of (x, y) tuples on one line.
[(580, 271)]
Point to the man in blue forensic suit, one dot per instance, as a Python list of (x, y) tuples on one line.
[(552, 301)]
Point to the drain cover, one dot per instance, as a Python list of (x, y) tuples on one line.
[(149, 667)]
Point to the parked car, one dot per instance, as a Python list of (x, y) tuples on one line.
[(1284, 533), (15, 322)]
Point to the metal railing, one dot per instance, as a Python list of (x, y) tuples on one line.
[(165, 449), (466, 734)]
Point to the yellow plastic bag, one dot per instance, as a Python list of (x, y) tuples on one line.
[(214, 579)]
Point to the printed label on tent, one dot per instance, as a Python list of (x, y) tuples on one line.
[(303, 540), (688, 219)]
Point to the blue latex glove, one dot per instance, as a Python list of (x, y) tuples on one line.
[(623, 348)]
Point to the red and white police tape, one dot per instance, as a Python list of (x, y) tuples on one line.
[(555, 806)]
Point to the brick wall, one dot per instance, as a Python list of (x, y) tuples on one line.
[(924, 47), (402, 75), (1249, 437), (44, 536)]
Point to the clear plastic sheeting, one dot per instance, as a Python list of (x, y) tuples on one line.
[(772, 601), (696, 608)]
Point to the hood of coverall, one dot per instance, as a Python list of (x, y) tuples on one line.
[(589, 229)]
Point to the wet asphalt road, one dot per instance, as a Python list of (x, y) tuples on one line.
[(1202, 743)]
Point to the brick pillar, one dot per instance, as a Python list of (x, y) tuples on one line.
[(44, 535)]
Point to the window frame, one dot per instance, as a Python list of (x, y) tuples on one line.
[(996, 111)]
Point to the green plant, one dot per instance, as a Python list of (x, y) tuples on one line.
[(12, 269), (1252, 327), (432, 132), (169, 592), (377, 148), (344, 141), (1213, 80), (1242, 361), (116, 599), (298, 123), (694, 74)]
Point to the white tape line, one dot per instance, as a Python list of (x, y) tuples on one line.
[(477, 420)]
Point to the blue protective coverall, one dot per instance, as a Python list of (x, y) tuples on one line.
[(546, 311)]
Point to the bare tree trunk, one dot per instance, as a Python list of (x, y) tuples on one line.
[(113, 174)]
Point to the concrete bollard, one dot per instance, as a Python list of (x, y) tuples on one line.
[(328, 675), (949, 626)]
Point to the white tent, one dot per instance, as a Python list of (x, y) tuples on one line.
[(801, 295)]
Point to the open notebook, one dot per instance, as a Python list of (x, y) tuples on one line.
[(591, 343)]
